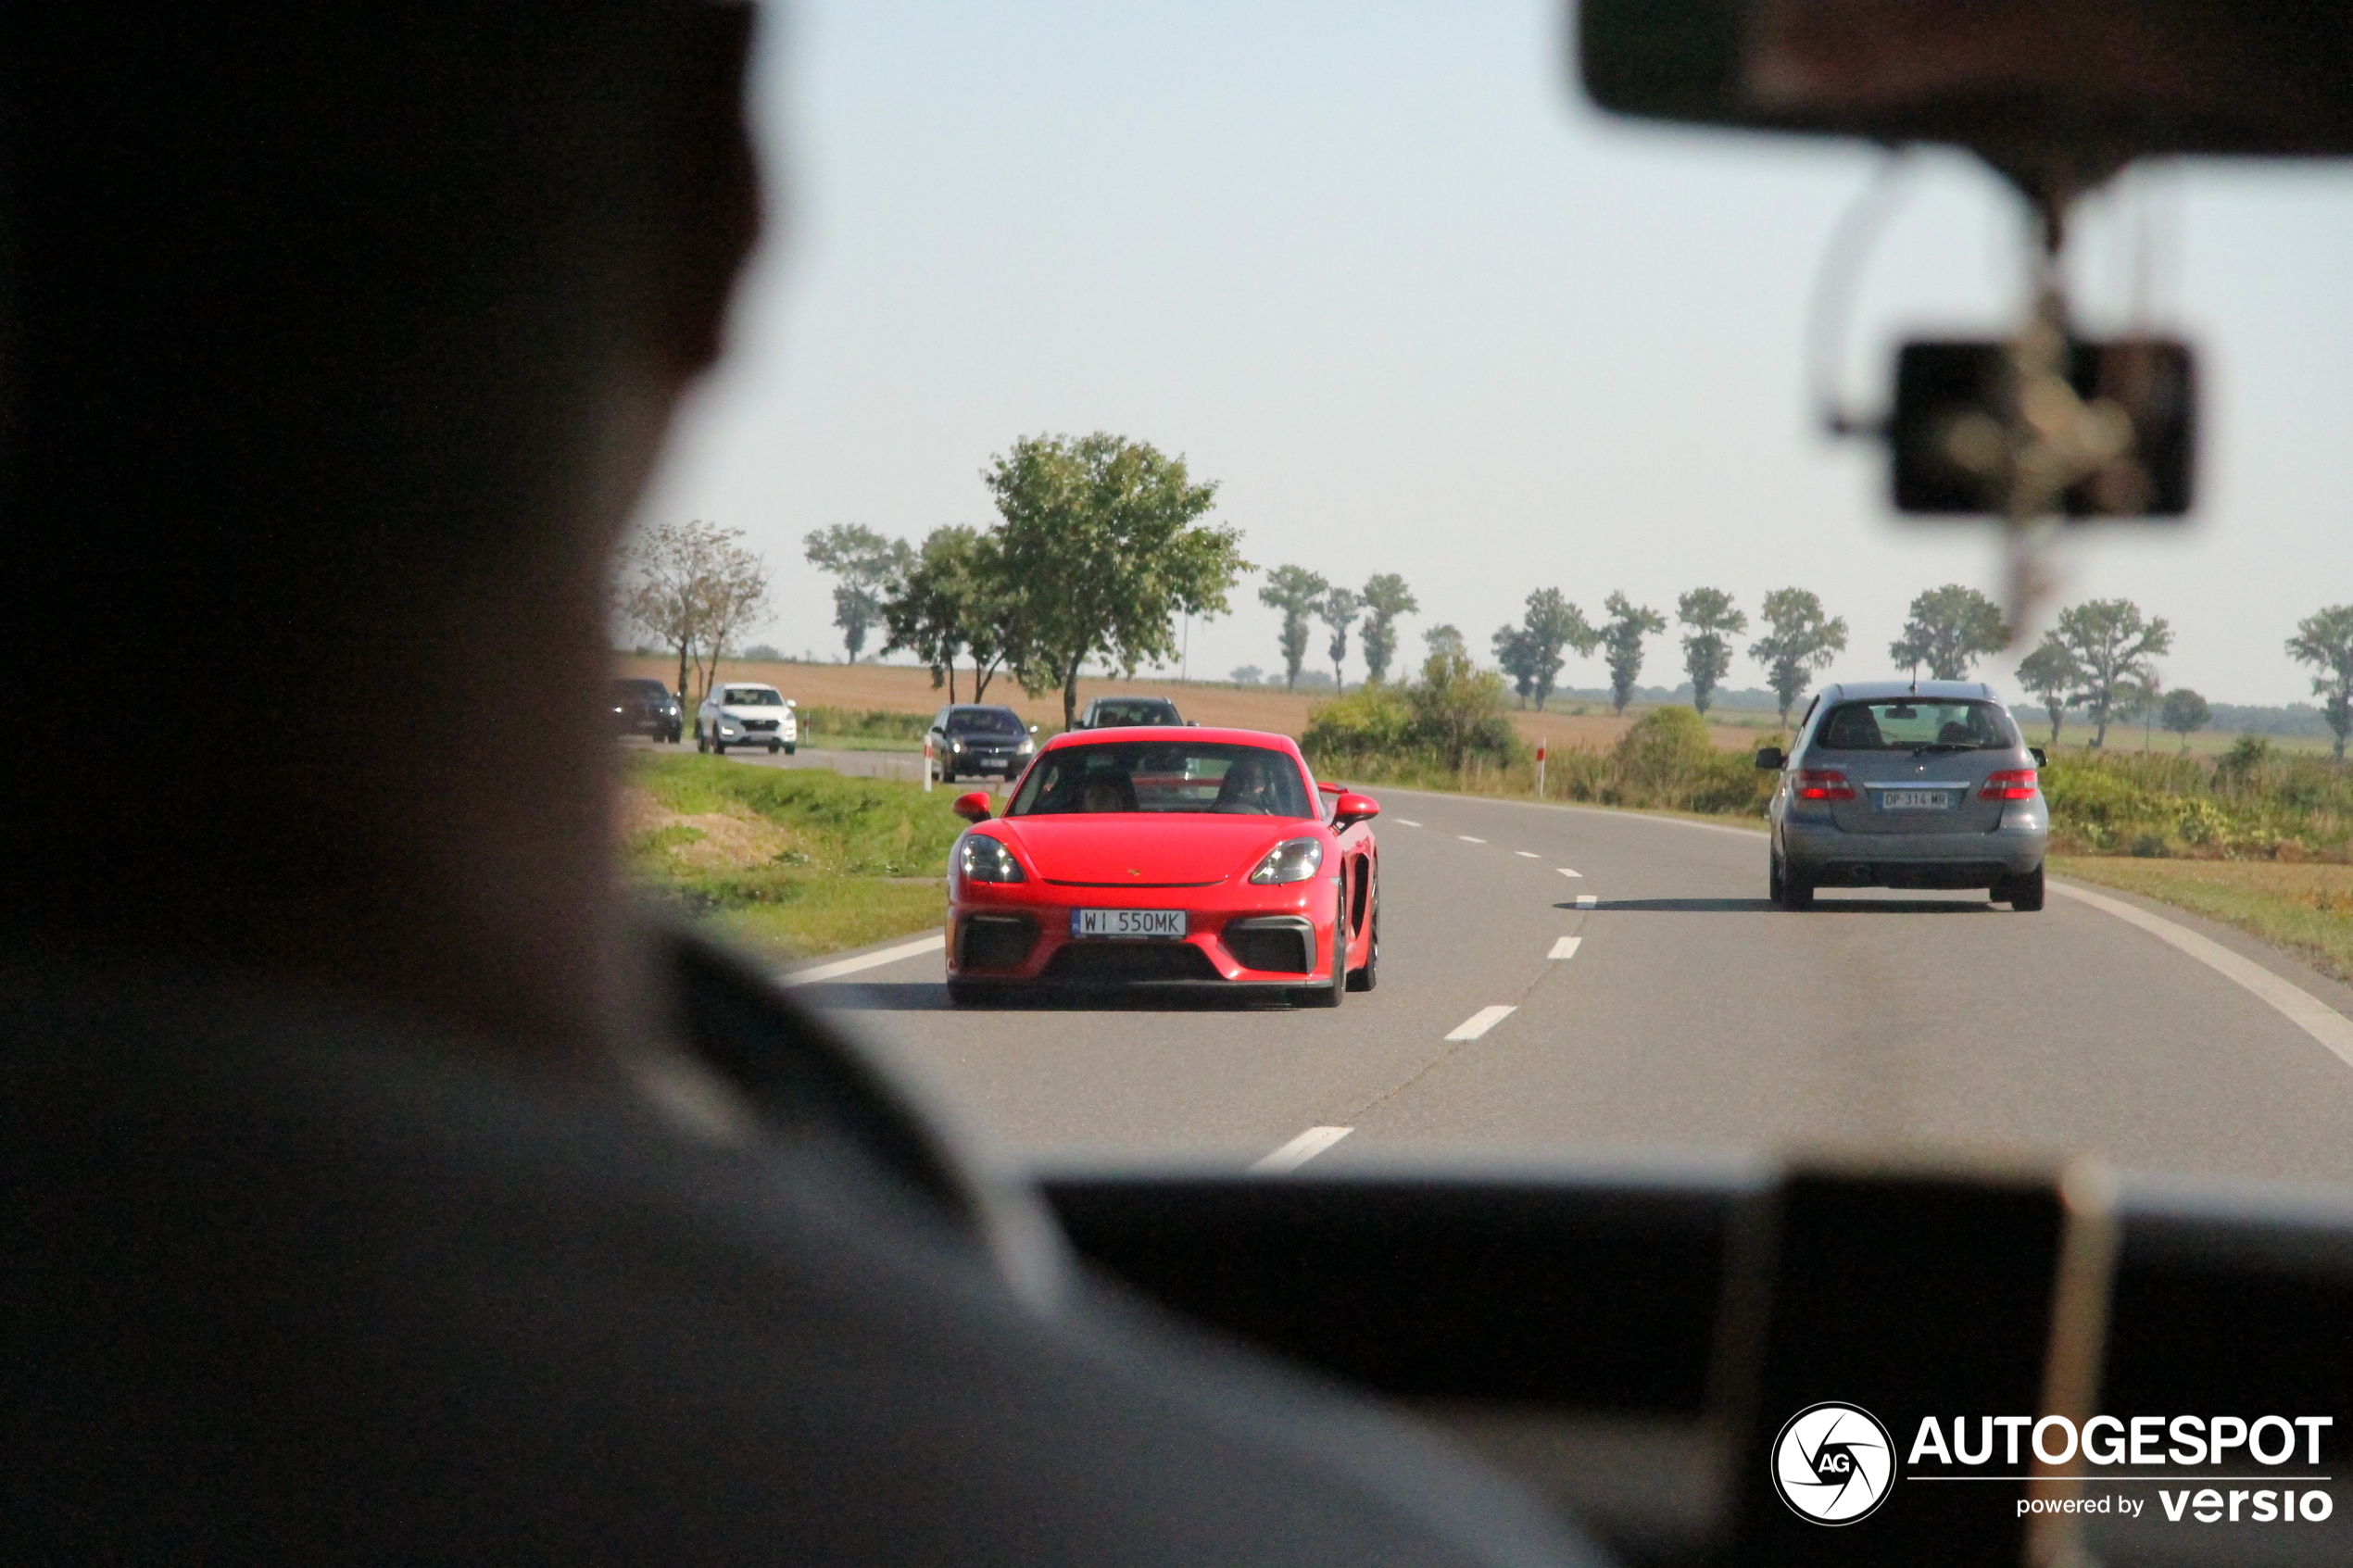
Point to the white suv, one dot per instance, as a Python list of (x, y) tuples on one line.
[(745, 713)]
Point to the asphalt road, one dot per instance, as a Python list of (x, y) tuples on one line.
[(1676, 1011)]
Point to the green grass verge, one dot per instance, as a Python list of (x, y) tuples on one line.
[(794, 862), (2304, 909)]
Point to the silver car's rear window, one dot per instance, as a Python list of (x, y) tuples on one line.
[(1901, 725)]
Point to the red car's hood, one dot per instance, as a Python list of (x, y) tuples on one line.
[(1137, 851)]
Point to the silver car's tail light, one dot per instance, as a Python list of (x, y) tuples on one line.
[(984, 859), (1824, 784), (1295, 859), (2008, 784)]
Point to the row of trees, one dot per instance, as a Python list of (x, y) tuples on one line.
[(1303, 596), (1800, 640)]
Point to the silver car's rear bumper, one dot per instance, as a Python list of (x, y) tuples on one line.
[(1818, 849)]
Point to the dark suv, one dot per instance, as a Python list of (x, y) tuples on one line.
[(967, 739), (641, 707), (1119, 712)]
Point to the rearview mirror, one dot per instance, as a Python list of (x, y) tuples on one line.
[(1033, 729), (973, 808), (2036, 753), (1350, 810), (2024, 82), (1770, 758)]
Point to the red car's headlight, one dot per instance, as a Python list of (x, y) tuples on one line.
[(1295, 859), (984, 859)]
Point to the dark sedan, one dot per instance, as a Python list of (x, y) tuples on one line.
[(641, 707)]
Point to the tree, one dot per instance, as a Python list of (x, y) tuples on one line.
[(870, 566), (1517, 652), (1386, 598), (1621, 640), (1248, 675), (950, 601), (1707, 652), (2051, 674), (1949, 630), (2185, 711), (2325, 639), (1100, 549), (1555, 625), (692, 585), (1445, 639), (1338, 610), (2111, 645), (1801, 642), (1297, 592)]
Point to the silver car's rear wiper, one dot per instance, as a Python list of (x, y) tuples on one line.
[(1946, 745)]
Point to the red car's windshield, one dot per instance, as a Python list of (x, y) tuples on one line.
[(1160, 776)]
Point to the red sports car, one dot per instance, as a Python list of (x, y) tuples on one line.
[(1155, 857)]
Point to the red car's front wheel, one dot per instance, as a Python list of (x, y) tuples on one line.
[(1329, 996)]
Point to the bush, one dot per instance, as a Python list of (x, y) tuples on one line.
[(1451, 720), (1668, 760), (2254, 802), (876, 723)]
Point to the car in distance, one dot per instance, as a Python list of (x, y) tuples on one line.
[(1123, 712), (1895, 783), (746, 713), (1199, 858), (969, 739), (642, 706)]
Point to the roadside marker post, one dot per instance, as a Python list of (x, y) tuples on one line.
[(1540, 769), (926, 764)]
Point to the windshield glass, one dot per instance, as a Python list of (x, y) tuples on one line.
[(983, 721), (1916, 724), (1157, 777), (752, 697), (1488, 422)]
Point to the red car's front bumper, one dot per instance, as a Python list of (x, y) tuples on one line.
[(1021, 932)]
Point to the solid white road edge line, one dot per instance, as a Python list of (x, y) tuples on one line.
[(1468, 839), (1567, 946), (1565, 871), (934, 943), (2301, 1008), (1586, 901), (1479, 1023), (1301, 1150)]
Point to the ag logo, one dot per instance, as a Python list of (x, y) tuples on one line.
[(1833, 1463)]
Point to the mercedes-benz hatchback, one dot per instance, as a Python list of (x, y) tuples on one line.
[(1894, 783)]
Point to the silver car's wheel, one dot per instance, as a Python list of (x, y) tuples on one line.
[(2024, 894)]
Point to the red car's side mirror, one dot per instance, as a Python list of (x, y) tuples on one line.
[(973, 808), (1350, 810)]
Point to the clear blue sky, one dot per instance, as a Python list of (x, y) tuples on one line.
[(1374, 267)]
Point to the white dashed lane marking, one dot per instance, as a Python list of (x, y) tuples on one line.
[(1586, 901), (1468, 839), (1565, 871), (1567, 946), (1301, 1150), (1479, 1023), (1403, 822), (841, 967), (1527, 854)]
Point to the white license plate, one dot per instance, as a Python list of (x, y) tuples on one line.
[(1915, 799), (1157, 924)]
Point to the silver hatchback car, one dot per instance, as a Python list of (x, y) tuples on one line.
[(1894, 783)]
